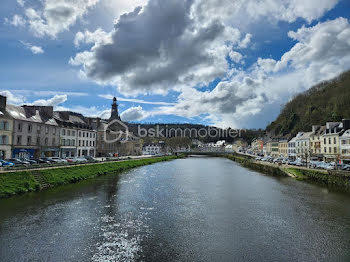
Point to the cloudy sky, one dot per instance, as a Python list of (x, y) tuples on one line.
[(221, 62)]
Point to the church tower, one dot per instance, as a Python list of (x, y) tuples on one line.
[(114, 112)]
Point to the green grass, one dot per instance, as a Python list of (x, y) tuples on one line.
[(23, 181), (17, 183), (298, 173)]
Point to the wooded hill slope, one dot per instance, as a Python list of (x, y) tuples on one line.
[(327, 101)]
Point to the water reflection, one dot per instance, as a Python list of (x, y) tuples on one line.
[(196, 209)]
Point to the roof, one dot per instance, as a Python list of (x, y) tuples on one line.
[(346, 134), (31, 114)]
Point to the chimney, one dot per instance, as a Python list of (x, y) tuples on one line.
[(3, 102), (346, 124), (315, 128)]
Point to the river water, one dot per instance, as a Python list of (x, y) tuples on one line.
[(194, 209)]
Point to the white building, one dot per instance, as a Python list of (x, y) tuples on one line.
[(302, 145), (68, 142), (292, 153), (345, 146), (86, 142), (151, 149)]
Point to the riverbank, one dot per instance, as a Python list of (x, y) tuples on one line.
[(21, 182), (339, 179)]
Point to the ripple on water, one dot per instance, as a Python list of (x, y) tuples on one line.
[(121, 239)]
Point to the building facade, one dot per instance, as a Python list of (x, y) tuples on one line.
[(292, 153), (151, 149), (283, 148), (35, 132), (316, 142), (113, 136), (330, 141), (68, 142), (6, 130), (86, 142), (302, 145), (345, 146)]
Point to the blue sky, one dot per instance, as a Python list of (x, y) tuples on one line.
[(213, 62)]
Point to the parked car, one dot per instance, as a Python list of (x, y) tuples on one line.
[(346, 167), (30, 161), (297, 162), (4, 163), (48, 160), (81, 159), (17, 162), (71, 159), (330, 166), (42, 161), (57, 160), (258, 158), (278, 160)]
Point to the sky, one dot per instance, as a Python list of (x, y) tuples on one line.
[(228, 63)]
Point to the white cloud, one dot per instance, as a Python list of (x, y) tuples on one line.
[(21, 2), (54, 101), (16, 20), (133, 114), (139, 101), (57, 16), (11, 98), (158, 48), (252, 96), (98, 37), (33, 48), (235, 56)]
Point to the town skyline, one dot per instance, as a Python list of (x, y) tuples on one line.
[(240, 75)]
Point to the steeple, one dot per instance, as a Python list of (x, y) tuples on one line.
[(114, 112)]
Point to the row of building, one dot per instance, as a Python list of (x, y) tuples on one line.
[(330, 142), (39, 131)]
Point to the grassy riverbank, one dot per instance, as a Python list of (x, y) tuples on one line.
[(21, 182), (339, 179)]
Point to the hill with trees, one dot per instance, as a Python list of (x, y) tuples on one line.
[(325, 102)]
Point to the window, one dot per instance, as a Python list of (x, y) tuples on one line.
[(73, 133), (47, 130), (335, 140), (68, 132), (335, 150), (53, 141), (4, 125), (63, 132), (330, 150), (29, 128), (63, 142), (83, 142), (19, 140), (29, 140), (54, 131), (46, 141), (83, 134), (79, 142), (73, 143), (325, 141), (19, 127), (38, 141), (329, 141), (39, 129), (3, 140), (325, 149), (79, 134)]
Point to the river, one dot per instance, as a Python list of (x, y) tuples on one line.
[(194, 209)]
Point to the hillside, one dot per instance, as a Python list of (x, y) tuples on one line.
[(327, 101)]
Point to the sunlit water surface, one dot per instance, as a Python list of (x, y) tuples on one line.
[(195, 209)]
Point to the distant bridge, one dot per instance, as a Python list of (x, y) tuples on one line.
[(204, 153)]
